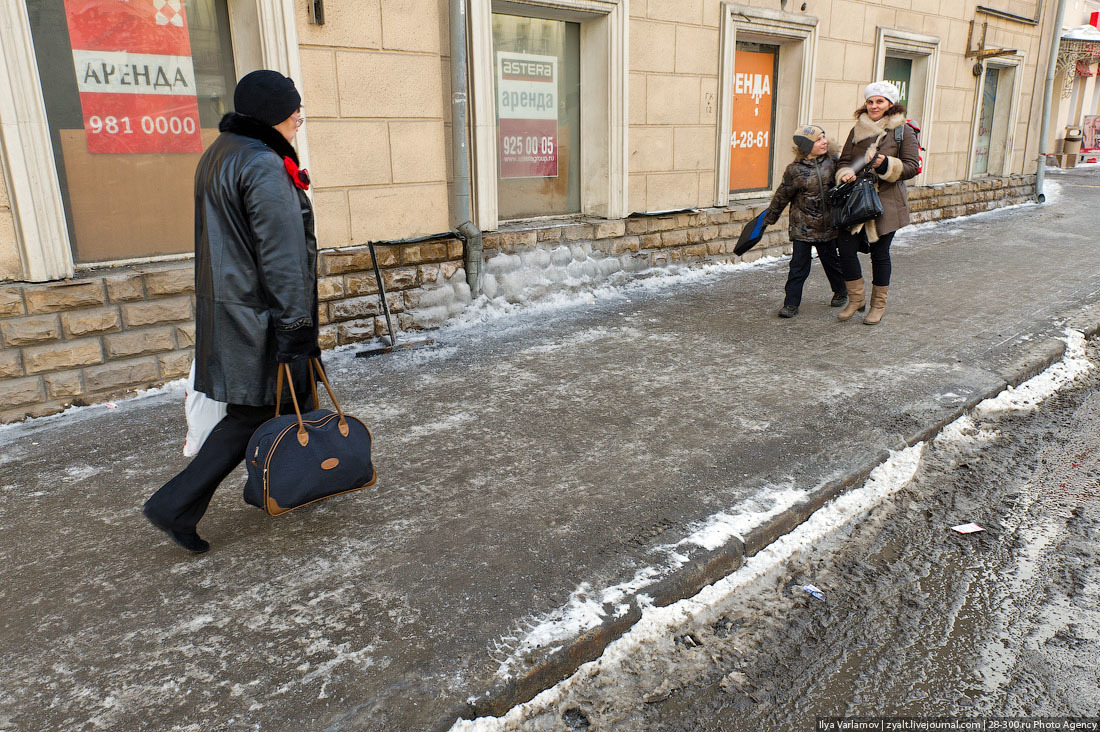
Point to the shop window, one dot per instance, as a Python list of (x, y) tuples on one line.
[(899, 72), (993, 119), (133, 94), (753, 117), (766, 90), (910, 61), (567, 153), (985, 122), (537, 75)]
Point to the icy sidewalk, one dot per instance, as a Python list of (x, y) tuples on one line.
[(555, 463)]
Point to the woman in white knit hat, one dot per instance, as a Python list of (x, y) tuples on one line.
[(895, 158)]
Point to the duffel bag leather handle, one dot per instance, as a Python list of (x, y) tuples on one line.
[(279, 388), (284, 368), (324, 380)]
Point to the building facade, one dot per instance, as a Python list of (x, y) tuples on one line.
[(605, 136), (1076, 98)]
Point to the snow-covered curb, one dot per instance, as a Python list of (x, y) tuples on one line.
[(584, 610)]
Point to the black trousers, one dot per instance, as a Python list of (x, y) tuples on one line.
[(880, 257), (182, 501), (800, 269)]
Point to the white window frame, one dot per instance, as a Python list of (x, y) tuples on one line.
[(926, 51), (1016, 63), (604, 72), (269, 39), (766, 26)]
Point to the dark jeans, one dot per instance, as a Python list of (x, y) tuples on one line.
[(182, 501), (800, 269), (880, 258)]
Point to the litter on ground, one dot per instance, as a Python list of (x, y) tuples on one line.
[(967, 528)]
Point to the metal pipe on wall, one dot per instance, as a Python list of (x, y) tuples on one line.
[(1048, 96), (467, 230)]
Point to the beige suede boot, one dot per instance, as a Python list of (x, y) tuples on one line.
[(856, 299), (878, 305)]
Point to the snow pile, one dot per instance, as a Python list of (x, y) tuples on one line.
[(1028, 395), (551, 279), (524, 277), (535, 273), (1051, 190), (721, 527), (964, 434), (530, 295), (437, 301), (657, 624), (587, 609)]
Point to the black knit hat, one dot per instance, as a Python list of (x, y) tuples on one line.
[(267, 96), (807, 136)]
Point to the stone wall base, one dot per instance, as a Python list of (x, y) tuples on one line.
[(110, 333)]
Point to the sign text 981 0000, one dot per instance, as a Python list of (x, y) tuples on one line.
[(161, 125)]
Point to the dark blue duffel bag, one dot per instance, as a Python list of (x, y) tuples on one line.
[(301, 458)]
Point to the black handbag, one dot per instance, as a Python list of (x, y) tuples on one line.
[(854, 202), (300, 458)]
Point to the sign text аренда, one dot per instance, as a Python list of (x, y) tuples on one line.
[(135, 76)]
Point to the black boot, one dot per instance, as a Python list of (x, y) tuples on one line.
[(788, 311), (840, 299), (189, 540)]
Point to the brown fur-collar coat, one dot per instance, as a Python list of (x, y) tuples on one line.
[(868, 139)]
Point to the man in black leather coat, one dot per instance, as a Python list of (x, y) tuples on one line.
[(255, 288)]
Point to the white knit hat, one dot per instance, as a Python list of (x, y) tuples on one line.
[(882, 89)]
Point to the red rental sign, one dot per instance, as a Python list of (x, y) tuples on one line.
[(135, 75)]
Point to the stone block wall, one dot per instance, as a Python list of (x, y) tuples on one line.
[(86, 340), (110, 333)]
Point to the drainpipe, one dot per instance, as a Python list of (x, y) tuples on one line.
[(1048, 94), (467, 230)]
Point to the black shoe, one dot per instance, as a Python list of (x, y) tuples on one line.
[(788, 311), (189, 540), (839, 300)]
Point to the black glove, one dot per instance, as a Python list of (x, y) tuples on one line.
[(296, 344)]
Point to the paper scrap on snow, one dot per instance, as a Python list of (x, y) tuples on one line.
[(967, 528), (814, 591)]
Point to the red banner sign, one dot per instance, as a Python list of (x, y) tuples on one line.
[(135, 75), (527, 111)]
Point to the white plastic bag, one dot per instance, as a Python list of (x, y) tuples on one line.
[(203, 414)]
